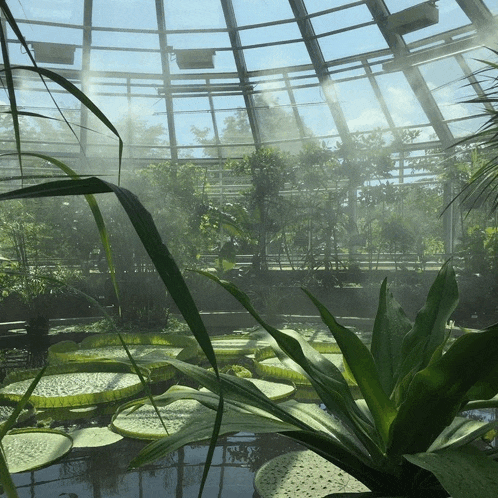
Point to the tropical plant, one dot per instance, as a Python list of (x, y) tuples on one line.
[(483, 182), (407, 435)]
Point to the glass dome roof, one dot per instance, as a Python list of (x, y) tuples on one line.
[(208, 80)]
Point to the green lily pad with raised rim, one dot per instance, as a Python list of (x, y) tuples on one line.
[(236, 345), (31, 449), (276, 391), (273, 368), (143, 422), (75, 384), (7, 406), (94, 437), (304, 474), (150, 350)]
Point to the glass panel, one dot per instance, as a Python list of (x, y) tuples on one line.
[(63, 11), (125, 40), (133, 14), (341, 19), (199, 14), (276, 56), (360, 106), (259, 11), (466, 127), (444, 78), (313, 6), (492, 5), (352, 43), (113, 60), (314, 113), (269, 34), (400, 99)]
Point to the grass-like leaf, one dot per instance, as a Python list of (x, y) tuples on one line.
[(364, 370), (161, 257)]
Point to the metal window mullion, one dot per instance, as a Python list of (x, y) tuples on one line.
[(307, 32), (240, 63), (166, 74)]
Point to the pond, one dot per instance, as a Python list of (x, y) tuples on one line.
[(101, 472)]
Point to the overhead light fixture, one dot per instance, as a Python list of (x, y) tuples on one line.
[(53, 53), (414, 18), (198, 58)]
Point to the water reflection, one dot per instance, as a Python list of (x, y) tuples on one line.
[(101, 472)]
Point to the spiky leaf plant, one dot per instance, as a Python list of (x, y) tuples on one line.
[(414, 384)]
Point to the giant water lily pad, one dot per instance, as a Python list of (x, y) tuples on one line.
[(230, 346), (138, 419), (143, 423), (150, 350), (7, 407), (273, 368), (276, 391), (75, 384), (94, 437), (30, 449), (304, 474)]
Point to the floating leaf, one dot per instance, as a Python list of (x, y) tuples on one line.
[(75, 384), (94, 437), (304, 474), (276, 391), (7, 407), (274, 368), (30, 449), (149, 350)]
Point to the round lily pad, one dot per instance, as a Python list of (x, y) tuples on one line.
[(150, 350), (75, 385), (30, 449), (236, 345), (7, 406), (273, 368), (276, 391), (304, 474), (143, 423), (94, 437)]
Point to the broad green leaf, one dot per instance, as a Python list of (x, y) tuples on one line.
[(390, 327), (481, 403), (325, 377), (429, 329), (464, 472), (362, 366), (460, 432), (437, 393), (319, 431)]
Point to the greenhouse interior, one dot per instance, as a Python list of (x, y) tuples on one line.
[(253, 189)]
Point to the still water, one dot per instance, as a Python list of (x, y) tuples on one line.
[(101, 472)]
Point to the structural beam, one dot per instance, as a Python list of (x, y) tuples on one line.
[(166, 73), (240, 63), (315, 52)]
